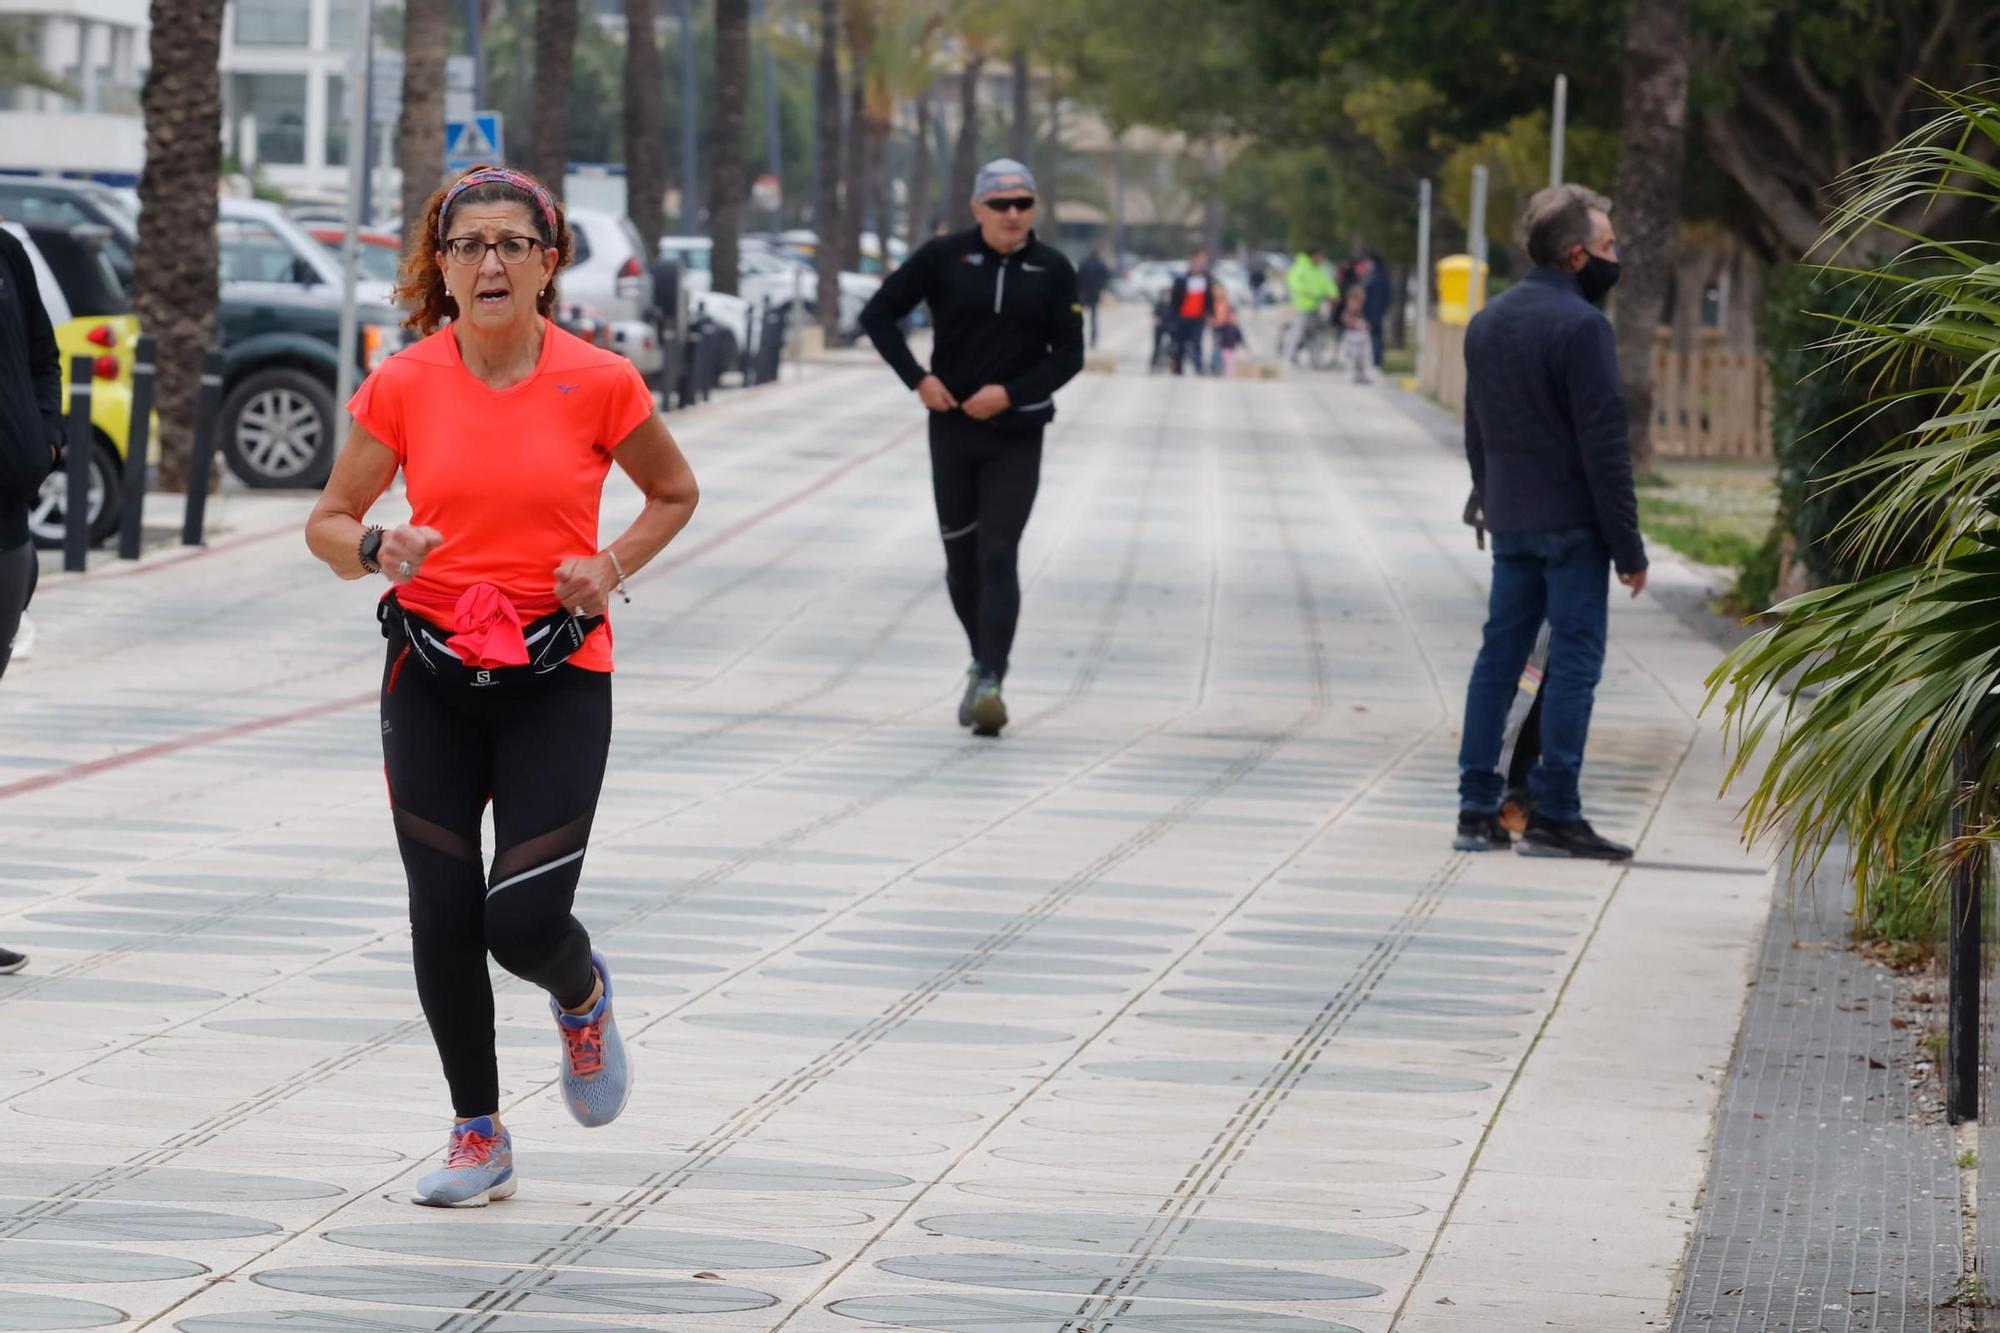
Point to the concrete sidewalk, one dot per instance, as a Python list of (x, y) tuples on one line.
[(1172, 1010)]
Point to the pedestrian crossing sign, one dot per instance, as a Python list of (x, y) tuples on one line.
[(476, 140)]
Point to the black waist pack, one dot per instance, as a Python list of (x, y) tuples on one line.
[(551, 640)]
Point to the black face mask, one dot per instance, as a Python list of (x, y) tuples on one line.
[(1597, 277)]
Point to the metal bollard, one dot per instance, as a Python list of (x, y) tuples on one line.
[(132, 511), (1966, 941), (207, 408), (77, 449)]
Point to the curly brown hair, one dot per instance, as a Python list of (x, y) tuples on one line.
[(420, 287)]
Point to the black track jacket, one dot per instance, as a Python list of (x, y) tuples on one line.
[(1012, 320)]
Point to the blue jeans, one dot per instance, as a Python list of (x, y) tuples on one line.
[(1565, 578), (1187, 344)]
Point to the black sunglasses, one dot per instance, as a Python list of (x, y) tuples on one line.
[(1019, 205)]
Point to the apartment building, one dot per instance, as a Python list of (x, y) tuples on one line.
[(91, 128)]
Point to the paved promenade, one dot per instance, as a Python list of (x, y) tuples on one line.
[(1172, 1010)]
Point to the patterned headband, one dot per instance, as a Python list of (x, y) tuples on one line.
[(500, 176)]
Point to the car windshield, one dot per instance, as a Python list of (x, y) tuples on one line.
[(253, 251), (379, 262), (694, 258)]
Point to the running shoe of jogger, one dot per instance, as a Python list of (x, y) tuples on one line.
[(496, 687), (1008, 333)]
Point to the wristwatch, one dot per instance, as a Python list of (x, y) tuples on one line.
[(371, 550)]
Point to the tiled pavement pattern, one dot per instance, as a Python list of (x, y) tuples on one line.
[(1830, 1206), (1172, 1010)]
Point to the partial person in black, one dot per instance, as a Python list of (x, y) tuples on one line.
[(1009, 333), (30, 435)]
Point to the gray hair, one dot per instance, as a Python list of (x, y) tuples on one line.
[(1557, 218)]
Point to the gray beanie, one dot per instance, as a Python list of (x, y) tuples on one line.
[(1002, 173)]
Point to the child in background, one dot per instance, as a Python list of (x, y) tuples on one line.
[(1229, 339), (1356, 348)]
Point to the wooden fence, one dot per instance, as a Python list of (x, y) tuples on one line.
[(1709, 402)]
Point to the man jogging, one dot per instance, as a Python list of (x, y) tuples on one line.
[(1009, 333), (30, 433), (1546, 438)]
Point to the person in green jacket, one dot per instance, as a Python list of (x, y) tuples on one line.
[(1311, 287)]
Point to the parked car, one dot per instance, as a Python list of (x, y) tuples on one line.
[(767, 273), (92, 316), (607, 282), (381, 252), (264, 250), (36, 201)]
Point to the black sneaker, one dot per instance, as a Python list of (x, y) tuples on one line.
[(971, 695), (1481, 833), (11, 961), (1573, 838)]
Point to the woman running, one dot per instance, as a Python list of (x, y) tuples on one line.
[(498, 680)]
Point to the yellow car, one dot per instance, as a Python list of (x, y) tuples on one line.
[(110, 342)]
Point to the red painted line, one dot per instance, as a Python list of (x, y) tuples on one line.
[(194, 740), (776, 507), (130, 571), (160, 749)]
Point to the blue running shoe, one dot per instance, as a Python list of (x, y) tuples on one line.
[(478, 1168), (596, 1079)]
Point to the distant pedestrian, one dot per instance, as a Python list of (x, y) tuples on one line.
[(1229, 339), (1355, 351), (1381, 295), (497, 685), (1311, 290), (1092, 277), (31, 433), (1009, 334), (1192, 299), (1545, 436)]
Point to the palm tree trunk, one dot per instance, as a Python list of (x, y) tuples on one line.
[(555, 50), (879, 130), (178, 271), (420, 136), (826, 209), (1021, 146), (1651, 152), (732, 96), (918, 225), (854, 172), (1051, 230), (645, 147), (965, 157)]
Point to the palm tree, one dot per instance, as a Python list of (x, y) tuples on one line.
[(178, 270), (420, 136), (965, 154), (917, 224), (1888, 737), (1648, 193), (645, 146), (1021, 143), (856, 165), (555, 49), (826, 209), (732, 94)]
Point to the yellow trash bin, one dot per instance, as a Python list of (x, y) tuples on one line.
[(1458, 298)]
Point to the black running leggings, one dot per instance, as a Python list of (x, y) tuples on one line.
[(985, 482), (20, 568), (535, 747)]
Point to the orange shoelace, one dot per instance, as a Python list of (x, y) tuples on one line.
[(585, 1049), (470, 1148)]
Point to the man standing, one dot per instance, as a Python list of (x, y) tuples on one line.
[(1545, 435), (1375, 307), (1091, 280), (1193, 303), (30, 434), (1009, 333)]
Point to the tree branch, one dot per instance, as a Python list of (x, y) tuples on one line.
[(1947, 15), (1795, 227), (1829, 105)]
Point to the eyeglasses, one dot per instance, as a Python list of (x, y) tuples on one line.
[(472, 250), (1024, 204)]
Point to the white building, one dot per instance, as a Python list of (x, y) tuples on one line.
[(286, 66), (98, 47)]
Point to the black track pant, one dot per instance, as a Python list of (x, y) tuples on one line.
[(19, 570), (985, 482), (534, 746)]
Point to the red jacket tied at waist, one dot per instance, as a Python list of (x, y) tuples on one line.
[(489, 629)]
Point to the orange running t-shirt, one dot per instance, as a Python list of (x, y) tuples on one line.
[(513, 477)]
